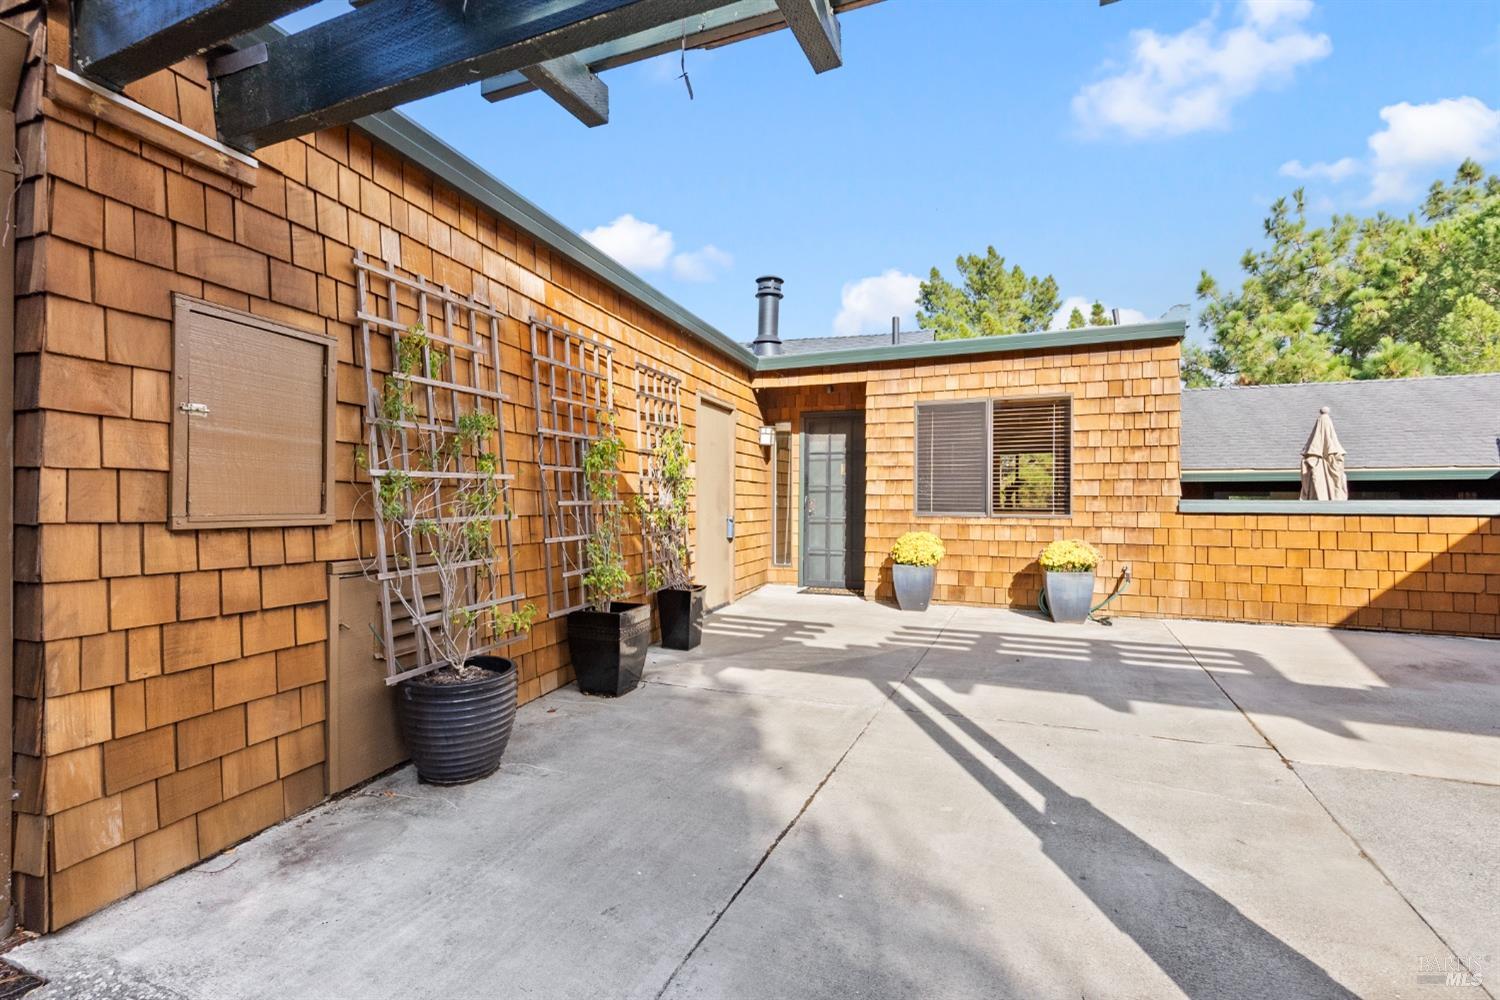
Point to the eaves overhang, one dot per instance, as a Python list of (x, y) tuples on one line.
[(1015, 343)]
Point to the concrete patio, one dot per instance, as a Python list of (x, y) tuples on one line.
[(833, 798)]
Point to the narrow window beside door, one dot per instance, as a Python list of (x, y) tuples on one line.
[(1001, 458), (781, 500)]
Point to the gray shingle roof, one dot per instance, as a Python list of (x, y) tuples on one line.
[(1414, 423), (816, 345)]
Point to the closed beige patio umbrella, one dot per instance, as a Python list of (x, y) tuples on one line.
[(1323, 476)]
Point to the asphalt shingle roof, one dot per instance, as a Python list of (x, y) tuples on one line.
[(816, 345), (1415, 423)]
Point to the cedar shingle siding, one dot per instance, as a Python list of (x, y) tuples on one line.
[(171, 684), (173, 681)]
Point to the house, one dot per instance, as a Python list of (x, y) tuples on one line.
[(1412, 438), (198, 339)]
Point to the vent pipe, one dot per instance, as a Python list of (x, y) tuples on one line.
[(768, 333), (1114, 316), (895, 329)]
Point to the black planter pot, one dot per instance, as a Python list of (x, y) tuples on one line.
[(609, 647), (681, 616), (457, 732)]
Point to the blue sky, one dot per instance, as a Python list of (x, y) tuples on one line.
[(1121, 149)]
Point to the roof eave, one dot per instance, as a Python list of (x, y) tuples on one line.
[(1012, 344)]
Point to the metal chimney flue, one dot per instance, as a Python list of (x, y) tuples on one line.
[(768, 333)]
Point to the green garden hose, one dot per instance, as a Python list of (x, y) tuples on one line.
[(1120, 588)]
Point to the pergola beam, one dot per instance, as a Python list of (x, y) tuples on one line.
[(395, 51), (568, 82), (817, 31), (118, 42), (732, 22)]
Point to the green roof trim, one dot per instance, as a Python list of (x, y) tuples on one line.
[(1174, 329), (1427, 508), (1358, 475)]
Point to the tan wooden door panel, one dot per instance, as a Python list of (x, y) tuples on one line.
[(715, 467)]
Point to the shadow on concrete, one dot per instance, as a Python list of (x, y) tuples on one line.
[(1211, 949)]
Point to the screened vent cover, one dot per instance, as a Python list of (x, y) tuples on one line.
[(952, 458), (1032, 455), (252, 420)]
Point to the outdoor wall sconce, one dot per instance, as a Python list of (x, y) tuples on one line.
[(767, 436)]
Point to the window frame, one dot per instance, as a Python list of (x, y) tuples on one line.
[(989, 475), (179, 517)]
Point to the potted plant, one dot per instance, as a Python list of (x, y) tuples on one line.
[(663, 507), (608, 639), (914, 560), (1068, 595), (440, 513)]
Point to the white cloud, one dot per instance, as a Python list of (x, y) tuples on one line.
[(640, 246), (1267, 13), (1421, 138), (867, 305), (1188, 82), (645, 246), (1336, 171), (704, 264), (1083, 305)]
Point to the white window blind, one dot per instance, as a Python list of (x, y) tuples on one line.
[(1032, 448), (1001, 457), (952, 467)]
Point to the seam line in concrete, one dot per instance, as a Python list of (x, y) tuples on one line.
[(1369, 858), (775, 843), (708, 689)]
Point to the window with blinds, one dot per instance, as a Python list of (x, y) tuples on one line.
[(1032, 456), (952, 458), (1003, 458)]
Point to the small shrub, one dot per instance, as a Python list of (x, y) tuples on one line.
[(918, 548), (1069, 555)]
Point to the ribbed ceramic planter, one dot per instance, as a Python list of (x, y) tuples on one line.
[(1070, 596), (913, 586), (681, 614), (457, 732), (608, 648)]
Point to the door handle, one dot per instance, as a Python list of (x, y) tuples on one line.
[(808, 505)]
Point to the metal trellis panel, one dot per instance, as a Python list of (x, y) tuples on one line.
[(573, 391), (658, 411), (459, 374)]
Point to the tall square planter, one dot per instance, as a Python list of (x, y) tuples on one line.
[(608, 648)]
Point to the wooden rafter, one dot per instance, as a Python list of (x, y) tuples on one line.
[(732, 22), (568, 82), (388, 53), (817, 31), (117, 42)]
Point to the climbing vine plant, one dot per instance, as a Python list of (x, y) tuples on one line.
[(663, 507), (439, 490), (665, 485), (606, 579)]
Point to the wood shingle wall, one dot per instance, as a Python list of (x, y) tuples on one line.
[(1406, 572), (171, 684)]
